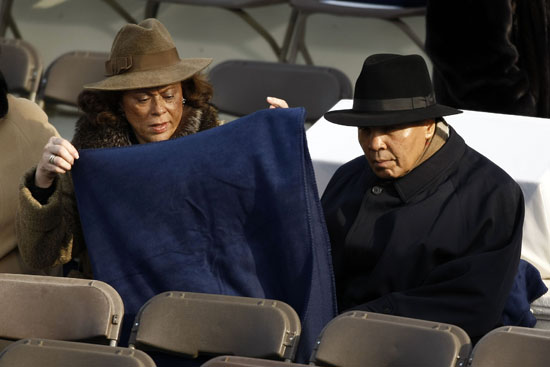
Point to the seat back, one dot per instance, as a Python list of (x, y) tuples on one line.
[(65, 77), (193, 324), (238, 361), (369, 339), (509, 346), (56, 353), (21, 66), (241, 86), (35, 306)]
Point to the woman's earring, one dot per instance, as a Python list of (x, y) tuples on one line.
[(183, 100)]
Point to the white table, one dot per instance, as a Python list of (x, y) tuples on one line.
[(520, 145)]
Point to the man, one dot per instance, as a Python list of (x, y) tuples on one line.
[(424, 227)]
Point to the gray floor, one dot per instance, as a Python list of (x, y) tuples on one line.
[(58, 26)]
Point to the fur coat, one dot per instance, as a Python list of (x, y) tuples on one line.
[(491, 55), (50, 234)]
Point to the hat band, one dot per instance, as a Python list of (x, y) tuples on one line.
[(394, 104), (119, 65)]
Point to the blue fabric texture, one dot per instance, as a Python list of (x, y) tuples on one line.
[(527, 287), (231, 210)]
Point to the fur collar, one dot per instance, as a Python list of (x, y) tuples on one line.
[(89, 134)]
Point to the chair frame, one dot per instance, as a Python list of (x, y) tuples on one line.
[(44, 96), (57, 352), (31, 81), (169, 322), (514, 339), (295, 38), (342, 332), (58, 290), (152, 7)]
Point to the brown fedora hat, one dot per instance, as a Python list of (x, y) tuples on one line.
[(392, 90), (144, 55)]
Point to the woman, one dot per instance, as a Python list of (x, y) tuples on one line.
[(149, 95), (24, 129)]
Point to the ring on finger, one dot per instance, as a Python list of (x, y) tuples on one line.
[(52, 158)]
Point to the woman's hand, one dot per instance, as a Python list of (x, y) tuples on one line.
[(58, 157), (276, 102)]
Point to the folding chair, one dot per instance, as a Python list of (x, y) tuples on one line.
[(55, 353), (358, 339), (241, 87), (65, 77), (235, 6), (512, 346), (35, 306), (237, 361), (21, 66), (296, 40), (197, 324)]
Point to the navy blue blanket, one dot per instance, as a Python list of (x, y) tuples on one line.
[(231, 210), (528, 286)]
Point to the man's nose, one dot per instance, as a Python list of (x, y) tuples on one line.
[(376, 140)]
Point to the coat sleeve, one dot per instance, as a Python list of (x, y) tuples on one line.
[(50, 234), (471, 290)]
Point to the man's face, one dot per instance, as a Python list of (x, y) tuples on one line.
[(392, 152)]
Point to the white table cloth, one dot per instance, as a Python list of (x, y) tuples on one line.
[(518, 144)]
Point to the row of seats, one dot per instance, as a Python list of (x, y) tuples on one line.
[(314, 87), (294, 39), (295, 36), (51, 321)]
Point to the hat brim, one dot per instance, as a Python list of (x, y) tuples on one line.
[(184, 69), (352, 117)]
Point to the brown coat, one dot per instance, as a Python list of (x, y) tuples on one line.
[(23, 133), (51, 234)]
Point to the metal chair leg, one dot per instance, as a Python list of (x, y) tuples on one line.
[(151, 9), (408, 31), (297, 40), (121, 11), (258, 28), (5, 16), (288, 35), (14, 28)]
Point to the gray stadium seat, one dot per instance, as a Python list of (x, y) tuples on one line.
[(241, 86), (196, 324), (65, 77), (237, 361), (35, 306), (358, 339), (55, 353), (512, 346), (21, 66)]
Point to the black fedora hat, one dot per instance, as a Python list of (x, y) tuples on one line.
[(392, 90)]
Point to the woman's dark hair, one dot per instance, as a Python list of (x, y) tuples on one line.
[(104, 107), (3, 96)]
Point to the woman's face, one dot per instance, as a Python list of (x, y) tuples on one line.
[(153, 113)]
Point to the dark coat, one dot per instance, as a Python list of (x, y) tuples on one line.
[(491, 55), (441, 243)]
